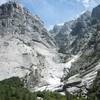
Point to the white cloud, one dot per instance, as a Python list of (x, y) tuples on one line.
[(50, 27), (60, 24), (86, 3), (89, 3), (2, 1)]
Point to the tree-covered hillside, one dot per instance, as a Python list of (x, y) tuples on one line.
[(13, 89)]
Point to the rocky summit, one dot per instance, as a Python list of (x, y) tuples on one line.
[(66, 54)]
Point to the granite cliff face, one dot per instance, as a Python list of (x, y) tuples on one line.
[(25, 45)]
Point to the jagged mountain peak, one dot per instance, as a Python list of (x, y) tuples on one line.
[(96, 13), (85, 15), (69, 34), (15, 4), (10, 6), (13, 16)]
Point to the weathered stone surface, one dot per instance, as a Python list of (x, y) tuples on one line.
[(24, 43)]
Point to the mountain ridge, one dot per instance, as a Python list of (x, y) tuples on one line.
[(82, 37)]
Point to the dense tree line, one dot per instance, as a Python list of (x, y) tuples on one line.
[(13, 89)]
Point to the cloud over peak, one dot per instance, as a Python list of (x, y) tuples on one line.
[(2, 1), (89, 3)]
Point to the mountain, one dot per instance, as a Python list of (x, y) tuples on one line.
[(26, 49), (81, 37), (65, 55), (88, 63), (74, 34)]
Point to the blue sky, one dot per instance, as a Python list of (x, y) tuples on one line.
[(54, 11), (57, 11)]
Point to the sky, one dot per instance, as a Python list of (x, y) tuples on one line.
[(57, 11)]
